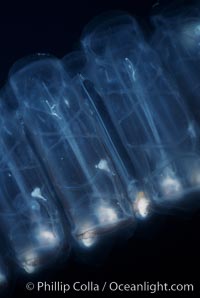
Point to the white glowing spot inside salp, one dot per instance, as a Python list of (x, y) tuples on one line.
[(131, 69), (67, 103), (30, 261), (47, 237), (103, 165), (191, 131), (53, 109), (87, 235), (142, 205), (107, 215), (36, 193), (88, 240), (170, 186)]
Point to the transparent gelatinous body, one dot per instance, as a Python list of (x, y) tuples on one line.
[(177, 39), (89, 143), (145, 106), (28, 211), (127, 173), (66, 134)]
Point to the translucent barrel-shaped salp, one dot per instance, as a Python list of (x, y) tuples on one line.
[(28, 212), (66, 135), (145, 105), (76, 66), (76, 63), (176, 38)]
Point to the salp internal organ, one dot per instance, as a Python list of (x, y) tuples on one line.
[(91, 143)]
